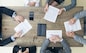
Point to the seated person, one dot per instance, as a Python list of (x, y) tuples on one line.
[(19, 49), (35, 3), (11, 13), (58, 2), (79, 15), (76, 37), (55, 39), (10, 39)]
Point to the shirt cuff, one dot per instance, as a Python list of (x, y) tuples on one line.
[(61, 40), (12, 38), (14, 14), (64, 9)]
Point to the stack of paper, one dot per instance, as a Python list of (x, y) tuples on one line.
[(24, 27), (50, 33), (75, 27), (51, 14)]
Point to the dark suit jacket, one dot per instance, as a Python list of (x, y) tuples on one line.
[(46, 43), (32, 49), (4, 10), (5, 41)]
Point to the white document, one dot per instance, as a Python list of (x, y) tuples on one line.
[(50, 33), (75, 27), (24, 27), (51, 14)]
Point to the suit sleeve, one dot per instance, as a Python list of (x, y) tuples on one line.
[(7, 11), (16, 49), (66, 46), (80, 39), (80, 14), (44, 46), (70, 6), (5, 41)]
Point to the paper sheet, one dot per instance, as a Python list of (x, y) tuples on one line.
[(49, 33), (24, 27), (51, 14), (75, 27)]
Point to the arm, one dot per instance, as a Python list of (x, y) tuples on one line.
[(7, 11), (80, 14), (70, 6), (44, 46), (32, 49), (66, 46), (16, 48), (6, 41), (10, 39), (80, 39)]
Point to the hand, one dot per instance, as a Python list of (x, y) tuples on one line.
[(55, 38), (19, 18), (72, 21), (70, 34), (46, 8), (60, 11), (32, 3), (19, 51), (26, 51), (17, 34)]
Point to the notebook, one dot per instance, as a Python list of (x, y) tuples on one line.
[(75, 27), (50, 33), (24, 27), (51, 14)]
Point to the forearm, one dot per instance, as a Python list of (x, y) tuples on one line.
[(7, 11), (70, 6), (66, 46), (44, 46), (6, 41), (80, 14), (80, 39)]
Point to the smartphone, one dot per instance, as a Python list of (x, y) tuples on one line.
[(31, 15)]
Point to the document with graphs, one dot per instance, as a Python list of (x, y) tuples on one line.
[(75, 27), (51, 14), (24, 27), (50, 33)]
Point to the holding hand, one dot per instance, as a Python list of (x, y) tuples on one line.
[(70, 34), (17, 34), (60, 11), (72, 21), (55, 38), (19, 18)]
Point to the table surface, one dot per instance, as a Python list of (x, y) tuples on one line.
[(31, 37)]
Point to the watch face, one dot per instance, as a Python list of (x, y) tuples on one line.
[(31, 15)]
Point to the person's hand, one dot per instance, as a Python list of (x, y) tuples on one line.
[(26, 51), (46, 8), (17, 34), (32, 3), (19, 51), (19, 18), (60, 11), (72, 21), (55, 39), (70, 34)]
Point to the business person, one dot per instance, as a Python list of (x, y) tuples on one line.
[(58, 2), (72, 21), (19, 49), (79, 15), (55, 39), (10, 39), (35, 3), (11, 13), (76, 37)]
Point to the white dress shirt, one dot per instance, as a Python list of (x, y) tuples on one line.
[(36, 1)]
